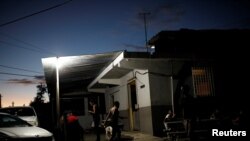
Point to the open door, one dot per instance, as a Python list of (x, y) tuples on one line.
[(133, 107)]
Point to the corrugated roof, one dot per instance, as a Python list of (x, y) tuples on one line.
[(75, 72)]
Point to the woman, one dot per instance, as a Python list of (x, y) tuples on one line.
[(96, 118)]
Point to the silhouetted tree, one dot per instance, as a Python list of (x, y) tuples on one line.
[(43, 109), (41, 90)]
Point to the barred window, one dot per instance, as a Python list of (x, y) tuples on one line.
[(203, 81)]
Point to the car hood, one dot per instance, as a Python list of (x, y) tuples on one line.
[(25, 132)]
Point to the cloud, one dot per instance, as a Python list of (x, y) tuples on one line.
[(36, 80), (134, 47), (39, 77), (21, 81), (169, 13), (166, 13)]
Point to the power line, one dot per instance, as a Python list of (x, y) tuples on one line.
[(30, 15), (40, 49), (20, 69), (16, 74), (26, 43), (18, 46)]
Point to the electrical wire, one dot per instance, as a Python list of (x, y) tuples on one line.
[(24, 42), (27, 16), (18, 46), (20, 69), (30, 15), (6, 73)]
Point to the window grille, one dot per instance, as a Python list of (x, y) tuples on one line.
[(203, 81)]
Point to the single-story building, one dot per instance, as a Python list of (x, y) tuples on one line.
[(187, 73)]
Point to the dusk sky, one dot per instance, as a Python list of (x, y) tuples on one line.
[(82, 27)]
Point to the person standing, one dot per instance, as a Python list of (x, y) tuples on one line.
[(113, 115), (74, 131), (96, 118)]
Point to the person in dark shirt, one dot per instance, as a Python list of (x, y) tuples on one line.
[(113, 117)]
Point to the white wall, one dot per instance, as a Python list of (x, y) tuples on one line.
[(143, 94), (120, 92), (144, 101), (85, 121)]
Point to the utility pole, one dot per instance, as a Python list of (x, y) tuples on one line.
[(145, 14)]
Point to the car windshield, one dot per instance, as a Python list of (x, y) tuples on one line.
[(24, 111), (12, 121)]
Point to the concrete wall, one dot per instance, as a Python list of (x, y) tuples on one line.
[(161, 100), (143, 93), (160, 90), (86, 120), (144, 101), (120, 93), (154, 89), (146, 121)]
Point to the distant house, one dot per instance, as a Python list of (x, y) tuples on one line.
[(191, 72)]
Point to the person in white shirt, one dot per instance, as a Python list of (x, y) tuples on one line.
[(170, 115)]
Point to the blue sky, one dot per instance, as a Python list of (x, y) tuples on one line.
[(94, 26)]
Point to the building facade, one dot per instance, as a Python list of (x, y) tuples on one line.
[(191, 72)]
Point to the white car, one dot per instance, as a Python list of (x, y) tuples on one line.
[(26, 113), (13, 128)]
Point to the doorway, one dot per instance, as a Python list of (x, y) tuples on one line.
[(133, 107)]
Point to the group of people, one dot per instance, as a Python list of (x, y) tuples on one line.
[(72, 130)]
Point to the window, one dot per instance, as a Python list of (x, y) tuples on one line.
[(203, 81)]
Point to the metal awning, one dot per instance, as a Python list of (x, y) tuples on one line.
[(75, 72), (124, 63)]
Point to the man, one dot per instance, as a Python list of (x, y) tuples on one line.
[(113, 117)]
